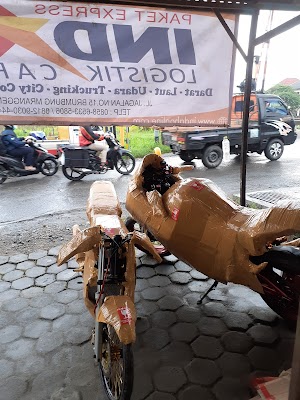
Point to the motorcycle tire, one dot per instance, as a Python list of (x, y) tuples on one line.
[(288, 283), (49, 167), (72, 173), (132, 225), (117, 386), (2, 178), (124, 163)]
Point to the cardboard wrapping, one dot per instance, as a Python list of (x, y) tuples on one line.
[(81, 242), (275, 388), (199, 224), (102, 200), (119, 311), (104, 215)]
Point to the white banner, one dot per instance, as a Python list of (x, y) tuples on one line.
[(71, 63)]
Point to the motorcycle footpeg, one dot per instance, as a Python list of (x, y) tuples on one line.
[(22, 171), (93, 337), (84, 170), (5, 173)]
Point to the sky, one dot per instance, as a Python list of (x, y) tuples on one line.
[(283, 54)]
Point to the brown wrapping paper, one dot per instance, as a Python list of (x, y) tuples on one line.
[(104, 212), (196, 221), (102, 200), (119, 311), (277, 388)]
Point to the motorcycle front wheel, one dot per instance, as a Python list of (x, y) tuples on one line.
[(74, 174), (2, 177), (116, 365), (124, 163), (49, 167)]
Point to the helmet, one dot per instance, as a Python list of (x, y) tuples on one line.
[(9, 126)]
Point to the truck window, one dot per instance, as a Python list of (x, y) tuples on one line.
[(239, 106), (276, 107)]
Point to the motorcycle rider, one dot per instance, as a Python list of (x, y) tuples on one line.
[(93, 141), (17, 147)]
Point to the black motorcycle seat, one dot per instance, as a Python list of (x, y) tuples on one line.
[(284, 258)]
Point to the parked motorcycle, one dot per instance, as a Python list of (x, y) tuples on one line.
[(106, 258), (77, 162), (194, 220), (44, 162)]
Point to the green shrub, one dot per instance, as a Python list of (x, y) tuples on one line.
[(23, 130), (140, 141)]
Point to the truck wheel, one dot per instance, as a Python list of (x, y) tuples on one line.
[(187, 157), (274, 149), (212, 156)]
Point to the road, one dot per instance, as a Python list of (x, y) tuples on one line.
[(54, 203)]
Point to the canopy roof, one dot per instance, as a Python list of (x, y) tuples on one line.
[(251, 7), (237, 6)]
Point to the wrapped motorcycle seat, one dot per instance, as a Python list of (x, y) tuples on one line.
[(102, 200)]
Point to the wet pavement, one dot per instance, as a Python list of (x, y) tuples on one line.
[(183, 350)]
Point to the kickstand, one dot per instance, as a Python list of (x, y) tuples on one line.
[(208, 291)]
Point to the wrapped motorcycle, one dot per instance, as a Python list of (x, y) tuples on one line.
[(194, 220)]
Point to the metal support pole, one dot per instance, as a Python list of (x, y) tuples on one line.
[(230, 34), (114, 131), (247, 95)]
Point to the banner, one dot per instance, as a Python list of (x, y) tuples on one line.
[(65, 63)]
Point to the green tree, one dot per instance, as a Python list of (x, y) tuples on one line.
[(288, 95)]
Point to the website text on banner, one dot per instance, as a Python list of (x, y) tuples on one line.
[(71, 63)]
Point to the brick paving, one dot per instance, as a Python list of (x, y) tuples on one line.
[(183, 350)]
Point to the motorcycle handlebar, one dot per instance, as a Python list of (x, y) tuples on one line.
[(29, 139), (186, 167), (177, 170)]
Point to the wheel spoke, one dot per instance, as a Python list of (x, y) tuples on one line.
[(3, 175), (49, 167), (123, 163), (112, 363), (72, 173)]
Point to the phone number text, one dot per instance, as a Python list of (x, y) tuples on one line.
[(54, 111)]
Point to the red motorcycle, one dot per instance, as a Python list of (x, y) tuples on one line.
[(270, 267), (44, 162)]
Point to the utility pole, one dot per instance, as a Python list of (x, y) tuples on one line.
[(266, 45)]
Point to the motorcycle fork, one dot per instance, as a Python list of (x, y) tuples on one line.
[(113, 307), (110, 161), (99, 301)]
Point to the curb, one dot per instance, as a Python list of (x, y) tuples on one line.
[(268, 198)]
